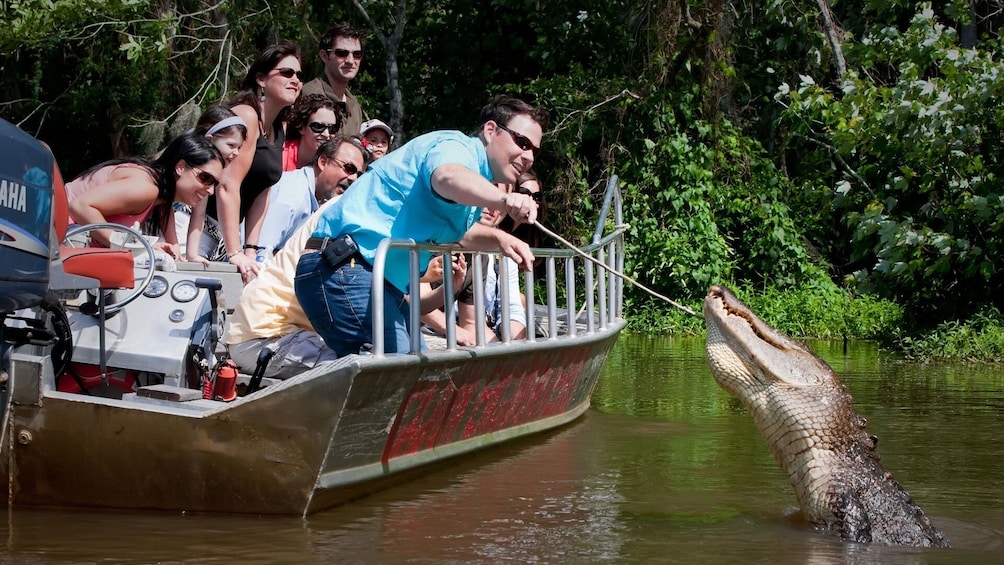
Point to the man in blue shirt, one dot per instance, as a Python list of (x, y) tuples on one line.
[(430, 190), (337, 163)]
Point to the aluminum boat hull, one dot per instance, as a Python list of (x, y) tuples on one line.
[(317, 440)]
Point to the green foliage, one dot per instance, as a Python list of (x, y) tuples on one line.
[(646, 314), (980, 339), (914, 139), (889, 175), (815, 309), (101, 79), (824, 311)]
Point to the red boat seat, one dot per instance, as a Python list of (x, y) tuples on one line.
[(113, 268)]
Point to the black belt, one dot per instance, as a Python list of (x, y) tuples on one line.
[(315, 243), (321, 243)]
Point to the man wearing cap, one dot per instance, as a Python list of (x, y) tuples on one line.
[(377, 136), (341, 51)]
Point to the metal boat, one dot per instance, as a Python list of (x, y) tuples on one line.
[(108, 401)]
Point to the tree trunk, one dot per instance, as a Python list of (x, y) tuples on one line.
[(391, 44), (833, 35), (967, 36)]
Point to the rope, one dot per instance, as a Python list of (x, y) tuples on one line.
[(588, 257)]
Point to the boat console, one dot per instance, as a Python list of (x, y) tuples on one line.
[(155, 337), (154, 334)]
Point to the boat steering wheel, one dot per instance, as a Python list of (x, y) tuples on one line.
[(142, 280)]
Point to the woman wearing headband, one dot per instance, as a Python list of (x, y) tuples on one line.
[(227, 132)]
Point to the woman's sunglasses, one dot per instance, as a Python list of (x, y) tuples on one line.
[(289, 73), (207, 180), (343, 53), (521, 141), (319, 127), (537, 196)]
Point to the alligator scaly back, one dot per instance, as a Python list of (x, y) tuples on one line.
[(809, 423)]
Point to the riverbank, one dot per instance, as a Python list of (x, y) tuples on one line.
[(831, 313)]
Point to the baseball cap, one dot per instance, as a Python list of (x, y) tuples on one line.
[(375, 124)]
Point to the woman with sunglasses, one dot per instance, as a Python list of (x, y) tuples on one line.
[(527, 184), (313, 121), (137, 190), (271, 86)]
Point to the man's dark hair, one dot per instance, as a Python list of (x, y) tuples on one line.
[(330, 147), (502, 108), (341, 30)]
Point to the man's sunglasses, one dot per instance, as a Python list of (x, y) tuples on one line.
[(343, 53), (349, 168), (521, 141), (537, 196), (207, 180), (319, 127), (289, 73)]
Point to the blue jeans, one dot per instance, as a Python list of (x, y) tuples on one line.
[(337, 303)]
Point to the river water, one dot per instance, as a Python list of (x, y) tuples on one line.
[(664, 468)]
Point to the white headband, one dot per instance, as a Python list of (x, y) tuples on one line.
[(225, 123)]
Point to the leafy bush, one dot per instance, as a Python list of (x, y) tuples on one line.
[(981, 338), (912, 142)]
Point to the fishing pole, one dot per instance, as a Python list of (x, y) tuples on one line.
[(585, 255)]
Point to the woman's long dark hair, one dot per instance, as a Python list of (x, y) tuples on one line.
[(249, 90), (195, 150)]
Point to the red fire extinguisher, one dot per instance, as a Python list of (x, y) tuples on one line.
[(221, 382), (225, 381)]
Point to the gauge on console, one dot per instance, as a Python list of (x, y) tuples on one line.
[(184, 291), (156, 288)]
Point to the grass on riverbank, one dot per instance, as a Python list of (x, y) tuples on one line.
[(831, 313), (979, 339), (827, 313)]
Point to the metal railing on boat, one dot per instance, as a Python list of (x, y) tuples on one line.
[(599, 291)]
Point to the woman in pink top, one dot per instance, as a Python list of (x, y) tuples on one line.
[(127, 191)]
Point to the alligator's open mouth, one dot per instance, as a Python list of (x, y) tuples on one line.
[(722, 304), (768, 354)]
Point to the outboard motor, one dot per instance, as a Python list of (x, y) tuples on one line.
[(26, 179), (27, 175)]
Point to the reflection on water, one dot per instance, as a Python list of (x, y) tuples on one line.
[(665, 467)]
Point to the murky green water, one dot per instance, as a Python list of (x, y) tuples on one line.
[(664, 468)]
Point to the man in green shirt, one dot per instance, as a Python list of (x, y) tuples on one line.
[(341, 51)]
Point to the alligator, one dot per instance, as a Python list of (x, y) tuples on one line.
[(805, 415)]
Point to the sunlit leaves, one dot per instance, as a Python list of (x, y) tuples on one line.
[(916, 119)]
